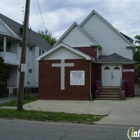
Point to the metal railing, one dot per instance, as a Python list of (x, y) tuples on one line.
[(120, 83)]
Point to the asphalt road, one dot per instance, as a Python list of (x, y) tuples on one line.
[(35, 130)]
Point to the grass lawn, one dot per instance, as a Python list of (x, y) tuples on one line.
[(27, 99), (44, 116), (48, 116)]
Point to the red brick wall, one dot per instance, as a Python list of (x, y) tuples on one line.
[(49, 81), (92, 51), (129, 79)]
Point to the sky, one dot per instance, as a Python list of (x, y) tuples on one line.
[(59, 15)]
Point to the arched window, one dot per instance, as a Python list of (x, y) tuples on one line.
[(106, 68), (116, 68)]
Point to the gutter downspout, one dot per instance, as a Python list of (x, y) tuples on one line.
[(90, 81)]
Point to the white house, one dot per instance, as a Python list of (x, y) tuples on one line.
[(10, 51)]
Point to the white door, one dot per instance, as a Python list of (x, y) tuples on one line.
[(111, 75)]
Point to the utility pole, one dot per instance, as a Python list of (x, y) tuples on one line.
[(23, 56)]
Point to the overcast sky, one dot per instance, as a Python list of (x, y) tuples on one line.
[(58, 15)]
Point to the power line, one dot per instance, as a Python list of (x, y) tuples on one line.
[(41, 15)]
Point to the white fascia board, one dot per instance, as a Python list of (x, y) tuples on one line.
[(65, 46), (67, 31), (5, 34), (87, 57), (46, 53), (9, 28), (83, 31)]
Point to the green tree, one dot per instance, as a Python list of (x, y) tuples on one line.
[(2, 75), (136, 56), (48, 37)]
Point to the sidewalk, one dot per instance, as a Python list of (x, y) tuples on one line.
[(6, 99), (120, 112), (3, 100), (125, 112)]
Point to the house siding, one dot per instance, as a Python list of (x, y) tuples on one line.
[(31, 78), (4, 29), (77, 38), (108, 39), (62, 53), (36, 66)]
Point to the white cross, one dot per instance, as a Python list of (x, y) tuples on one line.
[(62, 65)]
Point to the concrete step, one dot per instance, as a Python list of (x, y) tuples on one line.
[(109, 96), (109, 92), (108, 99), (109, 88)]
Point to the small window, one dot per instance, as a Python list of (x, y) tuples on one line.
[(20, 44), (30, 48), (116, 68), (9, 47), (41, 51), (30, 70), (106, 68)]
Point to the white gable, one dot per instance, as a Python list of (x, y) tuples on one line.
[(76, 38), (109, 39), (62, 53), (4, 29)]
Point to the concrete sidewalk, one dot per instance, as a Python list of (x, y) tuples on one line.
[(120, 112), (125, 112)]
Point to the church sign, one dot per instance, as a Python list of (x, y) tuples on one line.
[(77, 77), (128, 70)]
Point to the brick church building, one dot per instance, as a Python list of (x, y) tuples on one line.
[(92, 60)]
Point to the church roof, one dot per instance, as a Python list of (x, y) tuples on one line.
[(113, 58), (81, 29)]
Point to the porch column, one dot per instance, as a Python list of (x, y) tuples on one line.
[(4, 44)]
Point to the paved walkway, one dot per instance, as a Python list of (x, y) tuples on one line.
[(120, 112), (125, 112)]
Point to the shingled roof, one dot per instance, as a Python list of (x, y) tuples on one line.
[(33, 37), (113, 58)]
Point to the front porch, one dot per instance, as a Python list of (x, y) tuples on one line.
[(9, 50), (110, 93)]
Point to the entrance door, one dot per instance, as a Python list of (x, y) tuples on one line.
[(111, 75)]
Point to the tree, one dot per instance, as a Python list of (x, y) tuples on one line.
[(48, 37), (136, 56), (2, 75)]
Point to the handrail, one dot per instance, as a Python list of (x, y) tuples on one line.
[(98, 85), (120, 83), (122, 90)]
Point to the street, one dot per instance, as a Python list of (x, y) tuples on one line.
[(35, 130)]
